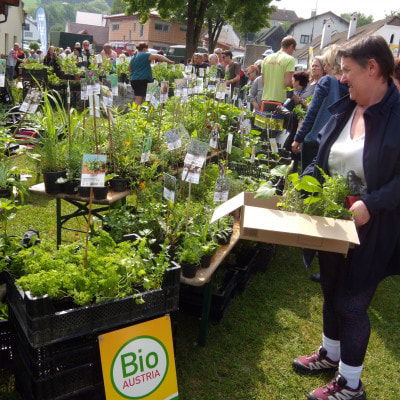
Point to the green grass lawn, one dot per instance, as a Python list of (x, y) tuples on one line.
[(278, 317)]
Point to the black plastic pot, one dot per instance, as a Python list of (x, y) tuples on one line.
[(100, 193), (5, 193), (205, 261), (84, 191), (189, 270), (50, 181), (70, 187), (119, 184)]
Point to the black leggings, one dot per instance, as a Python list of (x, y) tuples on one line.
[(345, 316)]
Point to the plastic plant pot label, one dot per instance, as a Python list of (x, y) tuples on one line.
[(96, 105), (199, 84), (229, 143), (146, 150), (274, 145), (221, 192), (191, 174), (173, 139), (201, 72), (107, 97), (196, 153), (93, 170), (221, 91), (245, 126), (169, 187), (188, 69), (96, 88), (183, 131), (99, 59), (235, 94), (253, 154), (2, 73), (113, 79), (164, 91), (214, 137), (31, 101)]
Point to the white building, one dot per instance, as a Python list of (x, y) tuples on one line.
[(388, 28), (11, 30), (304, 31), (30, 31)]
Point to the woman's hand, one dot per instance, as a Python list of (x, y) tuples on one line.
[(296, 147), (360, 212)]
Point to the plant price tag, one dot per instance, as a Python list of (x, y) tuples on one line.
[(253, 154), (191, 173), (96, 88), (164, 89), (2, 72), (31, 101), (96, 105), (274, 145), (245, 126), (173, 139), (214, 137), (99, 59), (221, 192), (169, 187), (93, 170), (146, 150), (229, 143), (196, 153)]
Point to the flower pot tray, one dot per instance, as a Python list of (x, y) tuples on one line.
[(43, 322)]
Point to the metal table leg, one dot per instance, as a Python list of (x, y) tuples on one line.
[(205, 314)]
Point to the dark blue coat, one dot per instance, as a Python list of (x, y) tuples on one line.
[(378, 254)]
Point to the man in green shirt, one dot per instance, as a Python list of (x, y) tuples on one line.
[(277, 71)]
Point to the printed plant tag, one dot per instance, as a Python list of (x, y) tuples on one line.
[(245, 126), (229, 143), (221, 192), (96, 105), (214, 137), (164, 91), (191, 174), (146, 150), (235, 94), (93, 170), (274, 145), (196, 153), (253, 154), (31, 101), (169, 187), (173, 139)]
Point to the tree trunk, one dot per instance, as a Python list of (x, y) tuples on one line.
[(195, 19), (213, 33)]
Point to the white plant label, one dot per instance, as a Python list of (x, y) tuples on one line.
[(229, 143), (274, 145)]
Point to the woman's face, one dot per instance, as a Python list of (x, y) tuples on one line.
[(296, 84), (357, 79), (316, 69)]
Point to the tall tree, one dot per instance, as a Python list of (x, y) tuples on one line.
[(191, 11), (118, 7), (362, 19), (245, 16), (249, 15)]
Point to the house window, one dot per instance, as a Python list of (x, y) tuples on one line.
[(391, 39), (26, 27), (28, 34), (161, 27), (134, 27), (183, 29), (115, 27), (305, 39), (141, 30)]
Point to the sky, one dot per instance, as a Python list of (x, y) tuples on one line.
[(368, 7)]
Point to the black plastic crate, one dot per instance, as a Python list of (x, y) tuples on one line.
[(81, 382), (6, 339), (43, 323), (191, 297)]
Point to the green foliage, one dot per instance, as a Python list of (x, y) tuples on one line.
[(69, 66), (326, 200), (34, 45), (118, 7), (362, 19), (114, 270), (167, 72)]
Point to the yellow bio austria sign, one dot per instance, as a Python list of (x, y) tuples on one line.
[(138, 362)]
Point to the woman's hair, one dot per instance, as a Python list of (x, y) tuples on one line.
[(331, 57), (213, 57), (396, 71), (367, 48), (253, 68), (141, 46), (302, 77)]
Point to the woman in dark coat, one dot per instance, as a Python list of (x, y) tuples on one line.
[(362, 138)]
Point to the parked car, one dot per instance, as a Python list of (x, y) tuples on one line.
[(177, 53)]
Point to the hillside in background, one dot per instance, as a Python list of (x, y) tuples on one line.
[(60, 11)]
